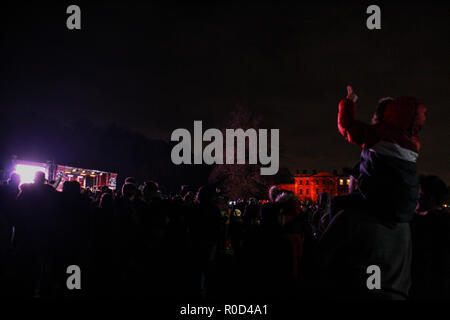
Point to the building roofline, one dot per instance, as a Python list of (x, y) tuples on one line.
[(320, 174)]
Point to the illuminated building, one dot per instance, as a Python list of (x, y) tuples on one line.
[(309, 186)]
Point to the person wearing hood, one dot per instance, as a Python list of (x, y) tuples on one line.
[(390, 148), (372, 229)]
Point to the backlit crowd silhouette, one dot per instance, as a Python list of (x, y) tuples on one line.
[(202, 246)]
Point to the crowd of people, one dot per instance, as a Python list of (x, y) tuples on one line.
[(199, 245), (388, 238)]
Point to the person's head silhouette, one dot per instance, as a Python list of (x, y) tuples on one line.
[(14, 180), (129, 191), (39, 177)]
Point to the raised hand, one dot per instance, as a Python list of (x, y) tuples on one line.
[(351, 95)]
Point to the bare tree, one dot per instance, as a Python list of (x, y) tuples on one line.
[(240, 180)]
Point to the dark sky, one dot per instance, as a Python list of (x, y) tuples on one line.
[(155, 68)]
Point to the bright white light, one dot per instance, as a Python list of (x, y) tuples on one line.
[(27, 172)]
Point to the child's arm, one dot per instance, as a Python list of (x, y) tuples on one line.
[(354, 131)]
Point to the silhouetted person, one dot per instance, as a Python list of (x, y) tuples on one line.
[(129, 241), (431, 242), (74, 235), (390, 148), (35, 237), (375, 231), (8, 207), (206, 232), (321, 216), (103, 247), (8, 195), (131, 180)]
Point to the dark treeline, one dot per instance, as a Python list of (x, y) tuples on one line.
[(84, 144), (117, 149)]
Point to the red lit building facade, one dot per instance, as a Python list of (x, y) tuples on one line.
[(307, 187)]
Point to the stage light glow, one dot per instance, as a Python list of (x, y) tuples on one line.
[(27, 172)]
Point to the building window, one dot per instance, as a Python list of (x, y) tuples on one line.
[(307, 182), (300, 182), (301, 191), (317, 191), (307, 191), (348, 181), (341, 182)]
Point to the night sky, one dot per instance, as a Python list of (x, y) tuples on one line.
[(154, 68)]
